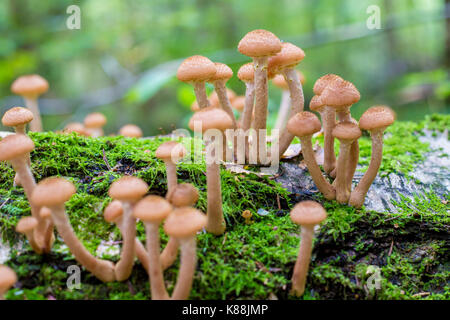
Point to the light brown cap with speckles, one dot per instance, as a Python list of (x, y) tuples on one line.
[(7, 278), (130, 131), (211, 118), (183, 195), (223, 72), (184, 222), (304, 124), (316, 104), (113, 211), (52, 191), (308, 213), (76, 127), (171, 150), (324, 81), (259, 43), (340, 94), (377, 117), (128, 188), (196, 68), (14, 146), (152, 209), (30, 86), (289, 56), (26, 224), (17, 116), (94, 120), (346, 131), (246, 72)]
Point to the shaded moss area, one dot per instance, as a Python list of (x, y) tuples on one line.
[(407, 249)]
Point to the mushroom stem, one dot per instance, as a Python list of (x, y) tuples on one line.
[(342, 191), (36, 123), (303, 259), (283, 110), (200, 94), (297, 104), (261, 101), (125, 265), (359, 193), (158, 288), (169, 254), (221, 90), (328, 122), (102, 269), (308, 153), (187, 269), (171, 171), (248, 112), (354, 150), (216, 223), (30, 237)]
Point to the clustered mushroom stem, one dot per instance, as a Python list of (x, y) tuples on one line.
[(221, 90), (297, 104), (284, 110), (354, 150), (200, 94), (316, 174), (187, 268), (302, 263), (261, 101), (329, 121), (359, 193), (36, 123), (248, 113), (169, 254), (171, 171), (342, 191), (216, 223), (102, 269), (158, 288), (31, 239), (125, 265)]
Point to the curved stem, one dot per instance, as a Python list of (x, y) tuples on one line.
[(200, 94), (125, 265), (303, 260), (187, 269), (169, 254), (158, 288), (36, 123)]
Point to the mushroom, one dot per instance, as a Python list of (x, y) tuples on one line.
[(7, 279), (171, 152), (49, 237), (284, 62), (183, 224), (247, 215), (214, 98), (376, 119), (53, 193), (131, 131), (346, 133), (94, 123), (307, 214), (26, 226), (128, 190), (30, 87), (205, 120), (152, 210), (260, 45), (304, 125), (76, 127), (197, 70)]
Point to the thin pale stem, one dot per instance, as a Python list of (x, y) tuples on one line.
[(354, 151), (221, 91), (187, 269), (158, 288), (125, 265), (248, 113), (171, 171), (342, 192), (169, 254), (200, 94), (141, 252), (283, 111), (36, 123), (261, 101), (328, 122), (303, 260)]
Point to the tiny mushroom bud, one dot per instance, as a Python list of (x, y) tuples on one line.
[(376, 119), (30, 87), (247, 215), (26, 226), (7, 279), (94, 123), (131, 131), (152, 210), (304, 125), (307, 214), (183, 224), (171, 152)]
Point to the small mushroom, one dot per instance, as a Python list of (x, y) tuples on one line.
[(346, 133), (247, 215), (129, 190), (7, 279), (94, 123), (304, 125), (49, 237), (183, 224), (76, 127), (131, 131), (152, 211), (375, 120), (171, 152), (53, 193), (26, 226), (307, 214)]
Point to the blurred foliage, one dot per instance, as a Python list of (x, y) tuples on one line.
[(134, 47)]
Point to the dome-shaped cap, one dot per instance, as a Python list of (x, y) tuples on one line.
[(196, 68), (308, 213), (184, 222), (377, 117), (346, 131), (26, 224), (128, 188), (246, 72), (324, 82), (113, 211), (152, 209), (289, 56), (130, 131), (223, 72), (340, 94), (281, 83), (17, 116), (52, 191), (7, 278), (76, 127), (259, 43), (316, 103), (30, 86), (239, 103), (171, 150), (14, 146), (183, 195), (94, 120), (304, 124), (211, 118)]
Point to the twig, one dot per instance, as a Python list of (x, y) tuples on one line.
[(390, 249), (278, 202), (106, 160), (1, 206)]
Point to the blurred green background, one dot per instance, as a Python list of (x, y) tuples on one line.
[(123, 60)]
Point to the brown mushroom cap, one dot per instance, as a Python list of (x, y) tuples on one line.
[(7, 278), (377, 117), (223, 72), (211, 118), (26, 224), (346, 131), (75, 127), (316, 103), (30, 85), (304, 124), (196, 68), (340, 94), (324, 81), (52, 191), (289, 56), (239, 103), (128, 188), (17, 116), (184, 222), (15, 145), (113, 211), (152, 209), (308, 213), (94, 120), (45, 212), (281, 83), (259, 43), (246, 72), (171, 150), (130, 131), (183, 195)]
